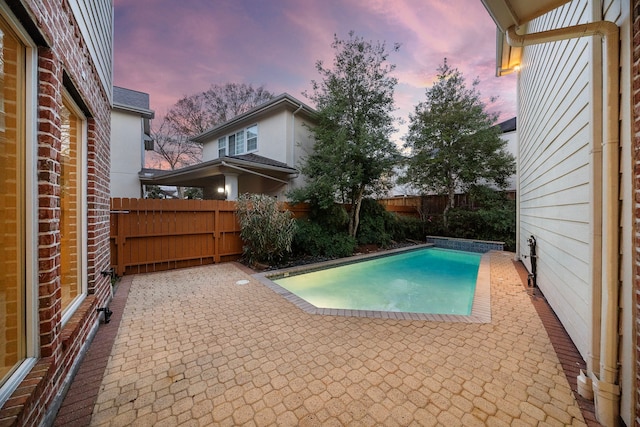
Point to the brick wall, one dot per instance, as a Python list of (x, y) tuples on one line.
[(636, 133), (63, 61)]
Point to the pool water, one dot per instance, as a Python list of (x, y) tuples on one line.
[(431, 280)]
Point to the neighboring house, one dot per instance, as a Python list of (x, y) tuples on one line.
[(256, 152), (130, 138), (576, 174), (510, 136), (55, 96)]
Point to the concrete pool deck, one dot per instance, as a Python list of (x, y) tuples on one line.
[(195, 348)]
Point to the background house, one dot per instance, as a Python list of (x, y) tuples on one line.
[(130, 138), (55, 96), (256, 152), (576, 177)]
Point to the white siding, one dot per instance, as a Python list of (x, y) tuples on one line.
[(95, 19), (126, 154), (556, 134)]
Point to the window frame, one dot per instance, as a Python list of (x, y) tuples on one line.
[(81, 136), (224, 148), (29, 187)]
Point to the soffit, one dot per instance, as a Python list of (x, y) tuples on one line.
[(507, 13)]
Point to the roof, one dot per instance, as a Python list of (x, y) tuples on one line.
[(205, 173), (281, 101), (133, 101), (507, 13), (508, 125)]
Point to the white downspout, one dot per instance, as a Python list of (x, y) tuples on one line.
[(607, 391), (293, 137)]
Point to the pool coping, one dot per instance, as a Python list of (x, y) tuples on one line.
[(480, 309)]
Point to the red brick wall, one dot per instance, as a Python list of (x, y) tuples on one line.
[(60, 347), (636, 128)]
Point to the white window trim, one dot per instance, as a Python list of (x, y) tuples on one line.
[(82, 214), (31, 206), (226, 141)]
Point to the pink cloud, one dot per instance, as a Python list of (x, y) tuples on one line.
[(171, 49)]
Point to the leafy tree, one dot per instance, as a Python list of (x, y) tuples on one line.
[(453, 142), (353, 155)]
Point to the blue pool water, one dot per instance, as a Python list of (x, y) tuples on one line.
[(431, 280)]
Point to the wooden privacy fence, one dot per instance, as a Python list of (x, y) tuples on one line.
[(153, 235)]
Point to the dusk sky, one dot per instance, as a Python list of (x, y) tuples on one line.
[(170, 48)]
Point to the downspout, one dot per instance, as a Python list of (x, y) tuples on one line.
[(607, 391), (293, 136)]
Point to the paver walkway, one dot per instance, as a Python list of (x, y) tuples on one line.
[(195, 348)]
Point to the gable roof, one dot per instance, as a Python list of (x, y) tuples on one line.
[(283, 101), (132, 101), (508, 125)]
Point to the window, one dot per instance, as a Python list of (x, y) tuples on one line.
[(13, 224), (72, 215), (252, 138), (241, 142)]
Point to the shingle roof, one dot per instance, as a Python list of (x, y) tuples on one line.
[(508, 125), (130, 98), (254, 158)]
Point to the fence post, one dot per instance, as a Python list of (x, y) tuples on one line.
[(216, 233), (119, 211)]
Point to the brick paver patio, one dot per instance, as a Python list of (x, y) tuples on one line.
[(196, 348)]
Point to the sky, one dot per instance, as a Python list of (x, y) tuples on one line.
[(170, 49)]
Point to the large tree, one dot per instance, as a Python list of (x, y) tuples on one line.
[(353, 154), (453, 141), (196, 113)]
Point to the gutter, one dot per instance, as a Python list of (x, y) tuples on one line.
[(607, 391)]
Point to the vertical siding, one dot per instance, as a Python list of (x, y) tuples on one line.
[(95, 19), (555, 136)]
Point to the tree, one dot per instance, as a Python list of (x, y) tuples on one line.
[(353, 155), (454, 143), (174, 148), (196, 113)]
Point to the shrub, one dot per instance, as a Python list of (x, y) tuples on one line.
[(495, 221), (266, 231), (375, 224), (313, 239)]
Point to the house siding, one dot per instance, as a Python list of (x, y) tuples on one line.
[(66, 63), (556, 137), (126, 154), (561, 94), (636, 200), (94, 18)]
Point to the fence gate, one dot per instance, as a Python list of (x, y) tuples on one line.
[(153, 235)]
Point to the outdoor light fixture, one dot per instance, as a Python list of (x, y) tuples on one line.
[(221, 190)]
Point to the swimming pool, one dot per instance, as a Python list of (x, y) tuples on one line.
[(428, 284)]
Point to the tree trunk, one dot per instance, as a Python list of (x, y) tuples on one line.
[(354, 217), (451, 202)]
